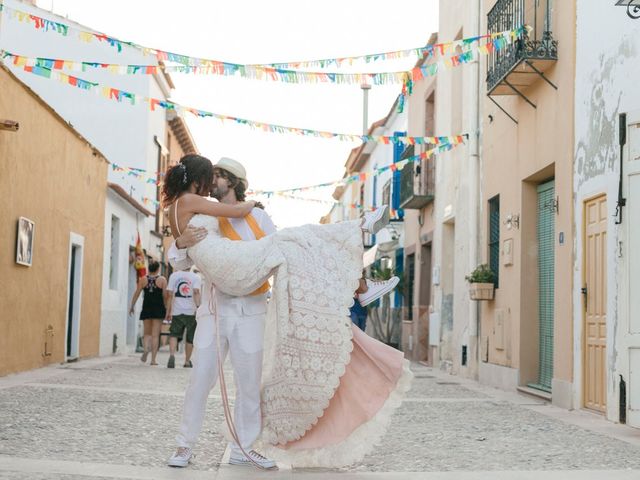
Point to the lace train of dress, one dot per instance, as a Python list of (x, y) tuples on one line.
[(359, 413), (308, 335)]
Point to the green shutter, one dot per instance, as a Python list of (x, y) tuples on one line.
[(494, 238), (546, 275)]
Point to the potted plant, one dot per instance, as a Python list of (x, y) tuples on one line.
[(481, 283)]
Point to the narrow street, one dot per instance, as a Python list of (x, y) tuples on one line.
[(109, 418)]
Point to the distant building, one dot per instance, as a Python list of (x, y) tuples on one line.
[(606, 191)]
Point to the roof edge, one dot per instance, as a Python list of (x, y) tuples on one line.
[(129, 199)]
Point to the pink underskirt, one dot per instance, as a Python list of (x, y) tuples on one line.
[(369, 378)]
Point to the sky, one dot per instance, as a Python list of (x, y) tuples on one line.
[(243, 31)]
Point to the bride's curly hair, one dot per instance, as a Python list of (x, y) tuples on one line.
[(191, 169)]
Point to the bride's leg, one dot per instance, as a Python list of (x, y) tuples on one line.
[(362, 287)]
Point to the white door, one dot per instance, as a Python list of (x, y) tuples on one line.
[(631, 265)]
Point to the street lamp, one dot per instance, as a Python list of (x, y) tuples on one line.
[(365, 107)]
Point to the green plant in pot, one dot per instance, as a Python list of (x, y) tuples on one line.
[(481, 283)]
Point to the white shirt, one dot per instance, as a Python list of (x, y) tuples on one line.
[(183, 284), (228, 306)]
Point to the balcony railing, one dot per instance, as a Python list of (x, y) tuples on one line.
[(513, 68), (417, 181)]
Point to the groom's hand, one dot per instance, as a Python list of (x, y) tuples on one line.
[(191, 236), (259, 205)]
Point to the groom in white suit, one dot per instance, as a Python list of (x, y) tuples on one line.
[(241, 321)]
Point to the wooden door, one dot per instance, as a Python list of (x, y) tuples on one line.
[(595, 304)]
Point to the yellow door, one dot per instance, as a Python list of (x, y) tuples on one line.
[(595, 304)]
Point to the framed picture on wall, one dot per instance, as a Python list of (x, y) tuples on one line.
[(24, 243)]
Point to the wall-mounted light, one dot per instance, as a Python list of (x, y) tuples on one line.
[(9, 125), (512, 221)]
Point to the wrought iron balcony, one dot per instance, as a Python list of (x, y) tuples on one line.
[(514, 68), (417, 181)]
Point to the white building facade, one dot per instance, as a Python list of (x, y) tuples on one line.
[(130, 136), (456, 206), (607, 201)]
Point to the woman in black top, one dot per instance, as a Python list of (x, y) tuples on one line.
[(153, 309)]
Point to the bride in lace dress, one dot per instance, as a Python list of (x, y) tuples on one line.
[(328, 389)]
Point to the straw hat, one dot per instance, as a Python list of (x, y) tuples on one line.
[(235, 167)]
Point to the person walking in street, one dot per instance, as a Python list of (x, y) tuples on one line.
[(327, 380), (153, 309), (183, 299)]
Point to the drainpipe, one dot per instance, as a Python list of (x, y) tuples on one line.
[(474, 177)]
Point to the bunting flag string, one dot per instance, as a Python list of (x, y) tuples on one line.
[(249, 72), (155, 178), (428, 51), (138, 173), (153, 103), (290, 193), (267, 73), (151, 201), (301, 198), (417, 73), (352, 206), (364, 176), (360, 176)]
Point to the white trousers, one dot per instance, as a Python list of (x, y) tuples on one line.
[(241, 336)]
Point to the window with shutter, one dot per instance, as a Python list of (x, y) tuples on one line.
[(494, 237)]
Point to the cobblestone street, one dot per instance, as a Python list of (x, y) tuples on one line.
[(116, 418)]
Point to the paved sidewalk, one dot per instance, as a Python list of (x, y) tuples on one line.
[(115, 417)]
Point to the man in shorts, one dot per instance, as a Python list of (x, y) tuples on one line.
[(183, 299)]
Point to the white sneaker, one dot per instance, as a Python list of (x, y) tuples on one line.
[(376, 220), (181, 458), (377, 288), (238, 458)]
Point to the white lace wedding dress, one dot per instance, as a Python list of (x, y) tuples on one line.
[(308, 336)]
